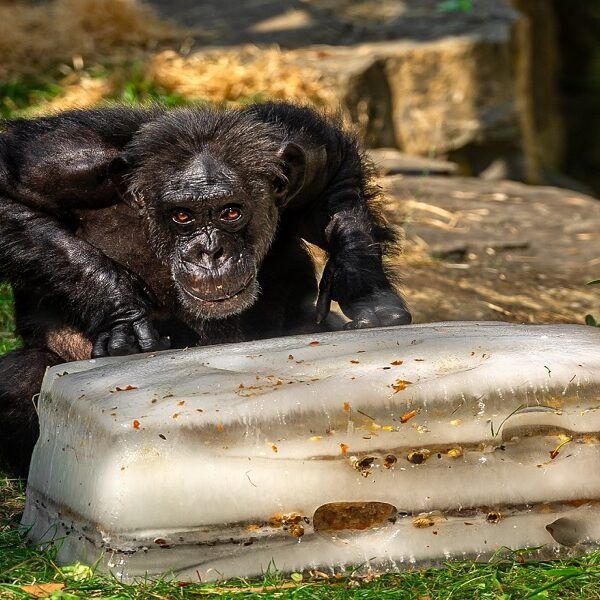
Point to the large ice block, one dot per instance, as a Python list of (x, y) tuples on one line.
[(385, 448)]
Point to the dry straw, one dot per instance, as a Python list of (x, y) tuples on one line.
[(238, 74), (34, 37), (37, 37)]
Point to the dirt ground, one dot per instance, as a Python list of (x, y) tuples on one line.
[(495, 250)]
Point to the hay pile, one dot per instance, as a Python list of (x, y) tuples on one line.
[(34, 37), (239, 74), (73, 37), (79, 91)]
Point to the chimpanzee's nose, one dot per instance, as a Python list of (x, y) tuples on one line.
[(217, 254), (210, 251), (211, 258)]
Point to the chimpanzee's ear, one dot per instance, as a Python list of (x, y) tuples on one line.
[(118, 170), (294, 158)]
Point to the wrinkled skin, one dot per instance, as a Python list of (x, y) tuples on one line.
[(128, 230)]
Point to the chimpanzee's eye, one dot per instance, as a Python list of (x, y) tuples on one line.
[(181, 216), (230, 214)]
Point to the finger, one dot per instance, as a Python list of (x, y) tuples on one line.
[(364, 320), (147, 336), (324, 299), (99, 347), (362, 324), (394, 316), (122, 341)]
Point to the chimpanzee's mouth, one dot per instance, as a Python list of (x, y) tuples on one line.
[(222, 298)]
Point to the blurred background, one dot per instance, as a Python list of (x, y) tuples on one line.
[(483, 116)]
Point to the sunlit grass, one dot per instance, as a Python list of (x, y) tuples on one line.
[(8, 340), (504, 578)]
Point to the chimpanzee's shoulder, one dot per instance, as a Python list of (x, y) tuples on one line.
[(113, 124), (306, 120)]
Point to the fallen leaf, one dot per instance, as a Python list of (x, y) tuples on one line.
[(354, 362), (347, 406), (319, 575), (423, 521), (136, 424), (77, 572), (493, 517), (408, 416), (418, 457), (389, 461), (344, 449), (219, 427), (314, 343), (397, 363), (127, 388), (42, 590), (297, 530), (400, 384)]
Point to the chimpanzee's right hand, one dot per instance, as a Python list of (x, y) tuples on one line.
[(126, 328), (129, 338)]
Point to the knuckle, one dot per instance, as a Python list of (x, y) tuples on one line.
[(147, 345)]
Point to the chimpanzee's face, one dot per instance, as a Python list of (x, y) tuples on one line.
[(213, 230), (210, 186)]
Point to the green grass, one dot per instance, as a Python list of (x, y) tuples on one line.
[(505, 578), (8, 340), (131, 86), (18, 95)]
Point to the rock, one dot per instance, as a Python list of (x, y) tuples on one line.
[(390, 161), (457, 84), (451, 96), (541, 123)]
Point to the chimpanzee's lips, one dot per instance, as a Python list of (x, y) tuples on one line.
[(218, 298)]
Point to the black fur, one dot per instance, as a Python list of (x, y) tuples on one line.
[(123, 230)]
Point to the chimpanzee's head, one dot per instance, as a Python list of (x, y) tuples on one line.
[(210, 186)]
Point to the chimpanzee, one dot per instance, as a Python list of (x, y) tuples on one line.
[(127, 230)]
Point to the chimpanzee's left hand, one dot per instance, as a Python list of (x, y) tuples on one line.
[(365, 297), (379, 309)]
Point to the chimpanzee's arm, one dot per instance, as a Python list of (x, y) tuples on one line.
[(48, 169), (354, 275), (333, 210), (96, 294)]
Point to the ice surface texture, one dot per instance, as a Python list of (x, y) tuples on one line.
[(385, 448)]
